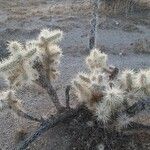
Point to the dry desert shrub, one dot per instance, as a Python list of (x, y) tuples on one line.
[(142, 46), (71, 8), (124, 7)]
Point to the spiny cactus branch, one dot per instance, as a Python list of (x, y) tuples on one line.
[(138, 107), (137, 126), (15, 61), (11, 64), (46, 84), (131, 112)]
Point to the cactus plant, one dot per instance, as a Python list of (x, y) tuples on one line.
[(18, 67), (104, 96)]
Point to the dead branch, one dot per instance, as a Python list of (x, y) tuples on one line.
[(114, 73), (27, 116), (67, 96), (134, 128), (138, 126), (92, 39), (18, 110), (138, 107)]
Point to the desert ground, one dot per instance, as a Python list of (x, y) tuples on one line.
[(126, 40)]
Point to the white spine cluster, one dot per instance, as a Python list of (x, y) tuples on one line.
[(103, 112), (15, 47), (114, 97), (14, 67), (51, 53), (18, 67), (96, 60), (81, 85), (13, 102), (94, 88), (49, 37), (127, 79), (143, 81), (104, 97), (30, 45), (123, 121), (89, 88), (8, 98)]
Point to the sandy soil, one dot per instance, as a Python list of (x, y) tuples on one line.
[(22, 20)]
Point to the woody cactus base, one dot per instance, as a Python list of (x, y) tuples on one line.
[(107, 99)]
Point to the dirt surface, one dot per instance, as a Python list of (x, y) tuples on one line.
[(22, 20)]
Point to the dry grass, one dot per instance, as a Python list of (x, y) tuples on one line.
[(23, 10), (142, 46), (123, 7), (34, 8), (71, 8)]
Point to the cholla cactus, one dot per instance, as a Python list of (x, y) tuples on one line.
[(18, 68), (9, 100), (82, 88), (94, 88), (111, 101), (89, 88), (14, 67), (127, 78), (143, 81), (47, 37), (136, 84), (96, 60), (50, 52), (114, 97), (15, 47), (13, 102), (103, 112), (31, 44), (105, 97)]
